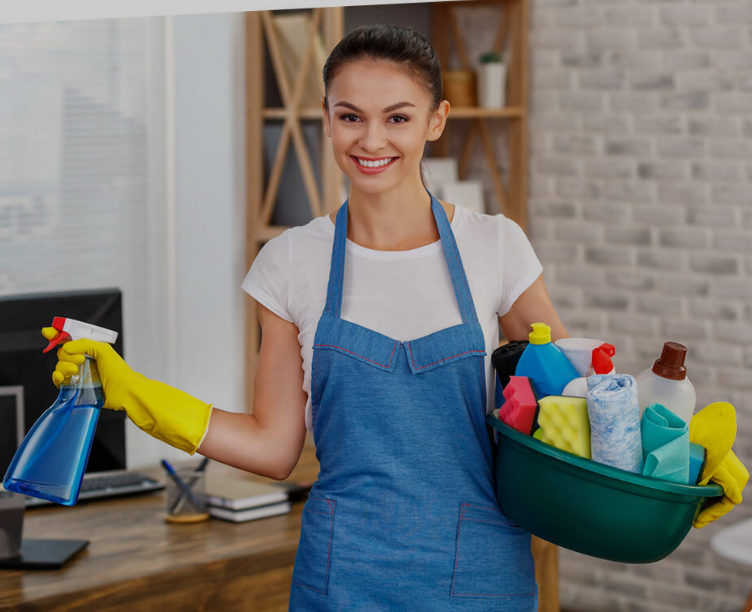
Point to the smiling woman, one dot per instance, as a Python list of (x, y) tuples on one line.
[(378, 325), (395, 301)]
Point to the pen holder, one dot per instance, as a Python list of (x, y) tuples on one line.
[(186, 501)]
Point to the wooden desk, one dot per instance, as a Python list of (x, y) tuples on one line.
[(137, 561)]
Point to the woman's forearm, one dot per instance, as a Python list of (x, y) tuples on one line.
[(242, 441)]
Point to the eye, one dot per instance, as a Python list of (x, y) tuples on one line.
[(349, 118), (398, 119)]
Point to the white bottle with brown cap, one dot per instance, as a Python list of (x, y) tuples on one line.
[(667, 383)]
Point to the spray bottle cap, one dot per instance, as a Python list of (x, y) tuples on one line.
[(70, 329), (671, 363), (541, 334), (601, 360)]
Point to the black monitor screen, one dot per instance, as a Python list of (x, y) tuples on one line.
[(23, 364)]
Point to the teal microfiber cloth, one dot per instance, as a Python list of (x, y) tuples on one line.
[(698, 456), (665, 444)]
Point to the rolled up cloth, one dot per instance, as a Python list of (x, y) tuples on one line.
[(614, 414), (665, 444)]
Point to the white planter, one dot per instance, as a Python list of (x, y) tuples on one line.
[(491, 83)]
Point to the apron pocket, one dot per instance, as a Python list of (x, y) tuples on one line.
[(315, 547), (493, 557)]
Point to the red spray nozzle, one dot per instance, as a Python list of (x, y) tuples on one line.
[(70, 329), (59, 324), (602, 354)]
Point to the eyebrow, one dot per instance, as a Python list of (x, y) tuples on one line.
[(388, 109)]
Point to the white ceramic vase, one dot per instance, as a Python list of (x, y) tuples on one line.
[(491, 84)]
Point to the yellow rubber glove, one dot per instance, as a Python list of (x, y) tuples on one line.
[(713, 427), (733, 477), (166, 413)]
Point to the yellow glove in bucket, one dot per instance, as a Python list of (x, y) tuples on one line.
[(166, 413), (733, 477), (713, 427)]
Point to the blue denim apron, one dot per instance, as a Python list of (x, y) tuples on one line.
[(403, 516)]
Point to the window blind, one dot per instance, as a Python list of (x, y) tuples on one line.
[(82, 168)]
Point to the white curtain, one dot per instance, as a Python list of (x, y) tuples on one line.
[(82, 169)]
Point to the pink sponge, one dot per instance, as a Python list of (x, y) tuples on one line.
[(520, 406)]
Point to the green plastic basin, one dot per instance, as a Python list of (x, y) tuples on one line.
[(590, 507)]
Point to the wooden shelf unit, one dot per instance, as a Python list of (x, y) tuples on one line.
[(511, 35), (510, 198)]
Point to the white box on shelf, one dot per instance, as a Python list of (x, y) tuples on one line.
[(438, 171), (466, 193)]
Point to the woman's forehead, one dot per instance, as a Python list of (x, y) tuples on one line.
[(374, 83)]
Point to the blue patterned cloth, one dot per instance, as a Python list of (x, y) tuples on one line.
[(614, 414)]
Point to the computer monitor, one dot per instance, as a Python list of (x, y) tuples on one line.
[(26, 371)]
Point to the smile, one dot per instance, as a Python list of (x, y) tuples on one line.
[(372, 166)]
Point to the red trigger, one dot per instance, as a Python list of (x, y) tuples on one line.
[(61, 337)]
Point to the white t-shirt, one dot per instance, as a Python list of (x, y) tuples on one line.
[(402, 294)]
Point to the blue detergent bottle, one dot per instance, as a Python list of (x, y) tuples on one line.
[(51, 460), (545, 364)]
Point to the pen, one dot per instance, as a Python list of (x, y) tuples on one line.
[(198, 472), (179, 481)]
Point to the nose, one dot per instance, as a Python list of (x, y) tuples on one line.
[(373, 137)]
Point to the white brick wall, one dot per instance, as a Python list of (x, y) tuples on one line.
[(640, 209)]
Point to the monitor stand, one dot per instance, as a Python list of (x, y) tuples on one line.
[(44, 554), (27, 553)]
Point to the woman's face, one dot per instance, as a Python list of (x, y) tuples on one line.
[(379, 120)]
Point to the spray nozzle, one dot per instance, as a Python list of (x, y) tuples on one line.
[(70, 329), (601, 360)]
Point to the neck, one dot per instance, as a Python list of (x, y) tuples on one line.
[(397, 220)]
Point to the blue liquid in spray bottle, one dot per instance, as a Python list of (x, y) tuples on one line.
[(51, 460)]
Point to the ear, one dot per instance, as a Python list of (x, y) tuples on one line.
[(327, 125), (438, 121)]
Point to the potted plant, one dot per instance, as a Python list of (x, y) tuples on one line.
[(491, 80)]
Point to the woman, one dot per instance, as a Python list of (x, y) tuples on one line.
[(378, 322)]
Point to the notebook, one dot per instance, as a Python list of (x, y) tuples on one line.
[(239, 494), (240, 516)]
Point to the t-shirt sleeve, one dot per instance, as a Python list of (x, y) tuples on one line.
[(268, 279), (520, 267)]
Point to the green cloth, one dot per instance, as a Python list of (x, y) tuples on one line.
[(665, 444)]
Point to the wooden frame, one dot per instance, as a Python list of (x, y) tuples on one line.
[(328, 22), (511, 30)]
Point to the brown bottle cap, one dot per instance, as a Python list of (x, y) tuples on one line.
[(671, 363)]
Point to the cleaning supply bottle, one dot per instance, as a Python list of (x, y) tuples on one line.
[(666, 383), (545, 364), (51, 460), (600, 363)]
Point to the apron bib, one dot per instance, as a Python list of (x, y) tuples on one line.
[(403, 516)]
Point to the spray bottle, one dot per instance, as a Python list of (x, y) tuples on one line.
[(544, 363), (51, 460)]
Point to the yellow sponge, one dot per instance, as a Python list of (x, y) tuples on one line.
[(565, 424)]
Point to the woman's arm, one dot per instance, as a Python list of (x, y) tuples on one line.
[(533, 306), (269, 441)]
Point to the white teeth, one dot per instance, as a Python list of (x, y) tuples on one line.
[(374, 164)]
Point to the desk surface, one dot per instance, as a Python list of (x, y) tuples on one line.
[(137, 561), (132, 550)]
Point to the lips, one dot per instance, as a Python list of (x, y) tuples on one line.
[(373, 165)]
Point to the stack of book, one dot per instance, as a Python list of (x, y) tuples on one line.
[(238, 500)]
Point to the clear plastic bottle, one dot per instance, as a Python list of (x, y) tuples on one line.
[(666, 383), (545, 364), (51, 460)]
